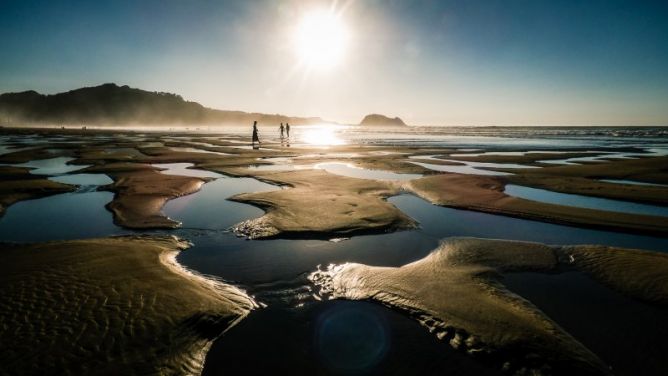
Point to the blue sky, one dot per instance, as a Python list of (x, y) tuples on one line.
[(429, 62)]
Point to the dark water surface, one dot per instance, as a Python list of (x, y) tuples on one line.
[(626, 333), (60, 217)]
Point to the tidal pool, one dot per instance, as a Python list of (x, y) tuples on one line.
[(52, 166), (465, 169), (194, 150), (277, 167), (580, 201), (633, 182), (64, 216), (184, 169), (210, 209), (512, 153), (83, 179)]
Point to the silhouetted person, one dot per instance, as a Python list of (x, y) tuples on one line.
[(287, 129), (282, 129), (256, 138)]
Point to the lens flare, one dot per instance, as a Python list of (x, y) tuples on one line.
[(350, 338)]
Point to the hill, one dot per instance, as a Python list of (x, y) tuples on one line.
[(112, 104), (377, 119)]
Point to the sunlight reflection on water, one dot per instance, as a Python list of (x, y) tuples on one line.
[(320, 135)]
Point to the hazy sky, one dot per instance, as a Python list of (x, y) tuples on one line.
[(441, 62)]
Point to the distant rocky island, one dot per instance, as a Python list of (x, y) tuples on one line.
[(110, 104), (381, 120)]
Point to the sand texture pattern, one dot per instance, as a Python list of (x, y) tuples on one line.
[(117, 305), (319, 203)]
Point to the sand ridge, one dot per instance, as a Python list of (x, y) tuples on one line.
[(139, 196), (17, 184), (484, 193), (322, 204), (455, 292)]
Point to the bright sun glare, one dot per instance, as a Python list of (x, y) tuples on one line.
[(320, 39), (321, 136)]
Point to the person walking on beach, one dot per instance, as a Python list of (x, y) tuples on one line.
[(256, 138), (281, 128), (287, 129)]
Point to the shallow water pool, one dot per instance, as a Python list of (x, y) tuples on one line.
[(349, 170), (580, 201), (64, 216), (210, 209), (52, 166), (632, 182), (184, 169)]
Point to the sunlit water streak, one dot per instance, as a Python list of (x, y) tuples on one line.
[(346, 169), (580, 201), (184, 169)]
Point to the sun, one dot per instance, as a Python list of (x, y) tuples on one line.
[(320, 39)]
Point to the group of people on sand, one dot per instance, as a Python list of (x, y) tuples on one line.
[(283, 129)]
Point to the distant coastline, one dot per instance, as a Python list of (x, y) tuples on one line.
[(110, 104)]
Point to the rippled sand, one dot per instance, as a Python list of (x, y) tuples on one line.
[(116, 305)]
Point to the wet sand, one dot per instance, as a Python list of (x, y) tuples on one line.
[(17, 184), (109, 306), (141, 194), (455, 292), (321, 204), (486, 194)]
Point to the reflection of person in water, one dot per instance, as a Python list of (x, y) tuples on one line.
[(287, 129), (256, 138), (281, 129)]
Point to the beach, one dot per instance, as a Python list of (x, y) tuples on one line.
[(419, 230)]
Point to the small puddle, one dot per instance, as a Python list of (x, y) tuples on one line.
[(633, 182), (510, 153), (84, 182), (51, 166), (210, 209), (183, 169), (195, 150), (277, 167), (469, 170), (64, 216), (83, 179), (567, 199), (250, 147), (349, 170), (602, 157), (466, 167), (6, 149)]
